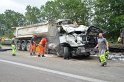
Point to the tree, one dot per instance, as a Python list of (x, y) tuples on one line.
[(32, 15), (10, 19), (109, 15), (2, 26), (90, 7), (69, 9)]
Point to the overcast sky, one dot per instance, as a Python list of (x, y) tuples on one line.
[(19, 5)]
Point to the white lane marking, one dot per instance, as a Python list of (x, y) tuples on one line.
[(54, 71)]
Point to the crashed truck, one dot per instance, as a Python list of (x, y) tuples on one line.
[(63, 37)]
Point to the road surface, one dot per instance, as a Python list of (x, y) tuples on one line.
[(25, 68)]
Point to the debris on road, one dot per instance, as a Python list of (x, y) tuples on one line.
[(117, 56)]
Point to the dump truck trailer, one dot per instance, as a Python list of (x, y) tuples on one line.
[(63, 37), (25, 33)]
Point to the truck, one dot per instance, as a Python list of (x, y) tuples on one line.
[(63, 37), (25, 33)]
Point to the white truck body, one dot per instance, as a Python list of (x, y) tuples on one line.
[(29, 31), (25, 33)]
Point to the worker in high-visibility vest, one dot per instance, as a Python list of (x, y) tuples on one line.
[(103, 47), (42, 46), (13, 46)]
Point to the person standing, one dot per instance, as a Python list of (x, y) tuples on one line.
[(102, 46), (33, 45), (13, 45)]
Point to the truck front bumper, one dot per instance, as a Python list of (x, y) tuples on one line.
[(82, 50)]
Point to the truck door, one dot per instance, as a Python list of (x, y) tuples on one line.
[(92, 34)]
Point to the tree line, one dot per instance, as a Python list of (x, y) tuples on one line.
[(105, 14)]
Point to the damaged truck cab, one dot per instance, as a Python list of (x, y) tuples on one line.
[(77, 40)]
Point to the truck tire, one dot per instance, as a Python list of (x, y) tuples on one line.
[(60, 51), (87, 55), (23, 46), (28, 46), (66, 53), (18, 46)]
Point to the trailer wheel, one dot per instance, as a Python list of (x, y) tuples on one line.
[(23, 46), (66, 53), (28, 46), (18, 46)]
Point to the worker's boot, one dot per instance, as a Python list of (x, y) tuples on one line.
[(30, 54), (39, 55), (104, 64), (13, 54), (43, 56)]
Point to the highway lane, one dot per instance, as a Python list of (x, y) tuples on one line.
[(72, 70)]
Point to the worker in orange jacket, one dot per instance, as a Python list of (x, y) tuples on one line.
[(42, 46), (33, 45)]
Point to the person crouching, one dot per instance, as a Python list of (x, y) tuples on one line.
[(42, 46)]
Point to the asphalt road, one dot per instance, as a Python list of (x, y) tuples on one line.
[(25, 68)]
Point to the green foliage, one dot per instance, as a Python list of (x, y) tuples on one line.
[(105, 14), (32, 15), (10, 19), (109, 15), (65, 9)]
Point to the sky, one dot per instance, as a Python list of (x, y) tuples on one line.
[(19, 5)]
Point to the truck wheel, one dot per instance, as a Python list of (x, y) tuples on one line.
[(18, 46), (28, 46), (66, 53), (87, 55), (23, 46), (60, 51)]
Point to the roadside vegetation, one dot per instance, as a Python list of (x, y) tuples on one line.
[(105, 14)]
